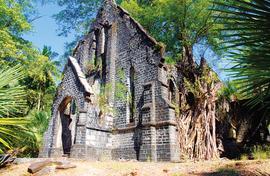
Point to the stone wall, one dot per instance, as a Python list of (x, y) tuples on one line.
[(118, 42), (69, 87), (124, 148)]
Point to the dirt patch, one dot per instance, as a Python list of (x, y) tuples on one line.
[(131, 168)]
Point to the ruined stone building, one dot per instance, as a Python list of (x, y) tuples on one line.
[(119, 54)]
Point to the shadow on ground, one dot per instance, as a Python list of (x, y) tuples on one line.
[(234, 172), (223, 172)]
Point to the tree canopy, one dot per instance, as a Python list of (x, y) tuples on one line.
[(177, 23), (12, 25)]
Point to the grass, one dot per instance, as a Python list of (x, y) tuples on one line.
[(258, 152), (261, 152), (244, 157)]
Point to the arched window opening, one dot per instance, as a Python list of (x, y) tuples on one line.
[(171, 92), (73, 107), (104, 43), (132, 94), (96, 62)]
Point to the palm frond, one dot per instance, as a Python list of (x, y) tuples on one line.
[(12, 104), (247, 34), (12, 95)]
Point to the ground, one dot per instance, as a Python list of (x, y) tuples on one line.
[(133, 168)]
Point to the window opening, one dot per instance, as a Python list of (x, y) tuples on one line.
[(132, 94), (171, 93)]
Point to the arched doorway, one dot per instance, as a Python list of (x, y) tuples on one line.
[(67, 113)]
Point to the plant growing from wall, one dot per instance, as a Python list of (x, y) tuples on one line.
[(103, 100), (121, 89), (121, 93), (93, 65)]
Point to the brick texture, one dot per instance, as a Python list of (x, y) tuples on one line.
[(118, 42)]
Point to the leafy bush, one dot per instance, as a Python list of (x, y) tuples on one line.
[(261, 152), (256, 152)]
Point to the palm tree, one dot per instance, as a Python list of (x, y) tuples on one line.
[(247, 33), (12, 105)]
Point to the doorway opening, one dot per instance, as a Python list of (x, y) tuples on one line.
[(67, 113)]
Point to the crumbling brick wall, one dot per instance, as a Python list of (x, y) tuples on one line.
[(119, 43)]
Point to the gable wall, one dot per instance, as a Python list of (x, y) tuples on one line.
[(126, 45), (69, 87)]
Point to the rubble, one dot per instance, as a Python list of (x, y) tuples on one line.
[(44, 167)]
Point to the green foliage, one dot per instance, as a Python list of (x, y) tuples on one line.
[(121, 89), (103, 99), (12, 104), (170, 60), (248, 37), (26, 87), (23, 133), (121, 93), (12, 25), (261, 152), (93, 65), (176, 23), (258, 152), (41, 75), (40, 83), (38, 124), (244, 157), (12, 95), (75, 15), (48, 52), (39, 121), (230, 91)]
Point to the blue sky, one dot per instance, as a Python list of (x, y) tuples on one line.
[(45, 30)]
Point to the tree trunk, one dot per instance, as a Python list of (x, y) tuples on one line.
[(197, 120), (39, 99)]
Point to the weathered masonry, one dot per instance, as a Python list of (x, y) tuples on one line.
[(119, 54)]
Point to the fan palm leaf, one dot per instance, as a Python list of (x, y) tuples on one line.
[(247, 34)]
